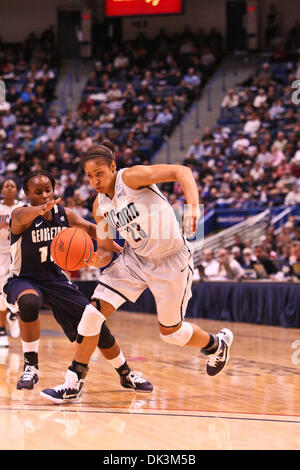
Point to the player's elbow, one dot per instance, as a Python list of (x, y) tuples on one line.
[(181, 171)]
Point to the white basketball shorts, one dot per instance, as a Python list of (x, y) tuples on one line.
[(169, 279)]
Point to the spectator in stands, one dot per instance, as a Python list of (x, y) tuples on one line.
[(196, 149), (114, 93), (192, 80), (253, 124), (236, 254), (264, 267), (277, 156), (164, 117), (129, 92), (121, 61), (83, 142), (257, 173), (209, 266), (264, 157), (277, 109), (54, 130), (247, 263), (294, 260), (261, 99), (293, 197), (228, 268), (9, 120), (296, 158), (241, 141), (208, 60), (230, 100), (106, 118)]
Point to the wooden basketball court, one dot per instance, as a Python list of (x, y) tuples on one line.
[(254, 404)]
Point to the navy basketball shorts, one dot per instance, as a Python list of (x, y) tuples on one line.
[(63, 297)]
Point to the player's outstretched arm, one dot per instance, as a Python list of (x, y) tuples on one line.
[(22, 217), (139, 176)]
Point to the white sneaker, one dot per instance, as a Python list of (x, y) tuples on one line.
[(68, 392), (13, 325), (3, 339), (218, 360)]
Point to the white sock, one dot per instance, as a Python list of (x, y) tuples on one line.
[(117, 361), (30, 347)]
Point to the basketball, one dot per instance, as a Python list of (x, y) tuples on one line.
[(71, 248)]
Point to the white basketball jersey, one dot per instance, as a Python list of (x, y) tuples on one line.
[(5, 213), (144, 219)]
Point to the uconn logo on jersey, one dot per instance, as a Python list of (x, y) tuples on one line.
[(123, 220), (123, 217), (44, 234)]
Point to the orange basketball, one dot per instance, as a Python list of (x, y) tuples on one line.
[(70, 248)]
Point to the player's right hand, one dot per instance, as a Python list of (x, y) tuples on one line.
[(49, 205)]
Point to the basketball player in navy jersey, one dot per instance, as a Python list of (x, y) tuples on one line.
[(35, 278), (156, 255)]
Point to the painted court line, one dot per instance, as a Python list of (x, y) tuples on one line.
[(147, 413)]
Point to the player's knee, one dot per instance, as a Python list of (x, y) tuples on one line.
[(106, 339), (91, 321), (29, 307), (181, 336)]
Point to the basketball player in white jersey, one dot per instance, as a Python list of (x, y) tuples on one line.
[(156, 255), (8, 203)]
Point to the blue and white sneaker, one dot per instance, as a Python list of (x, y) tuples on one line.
[(218, 360), (136, 383), (28, 378), (69, 392)]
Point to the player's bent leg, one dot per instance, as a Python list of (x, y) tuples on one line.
[(29, 306), (179, 335), (89, 329)]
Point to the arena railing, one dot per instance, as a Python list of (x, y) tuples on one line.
[(252, 229), (280, 219)]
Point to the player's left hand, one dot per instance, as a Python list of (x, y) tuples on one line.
[(191, 217)]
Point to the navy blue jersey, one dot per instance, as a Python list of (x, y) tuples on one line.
[(30, 250)]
